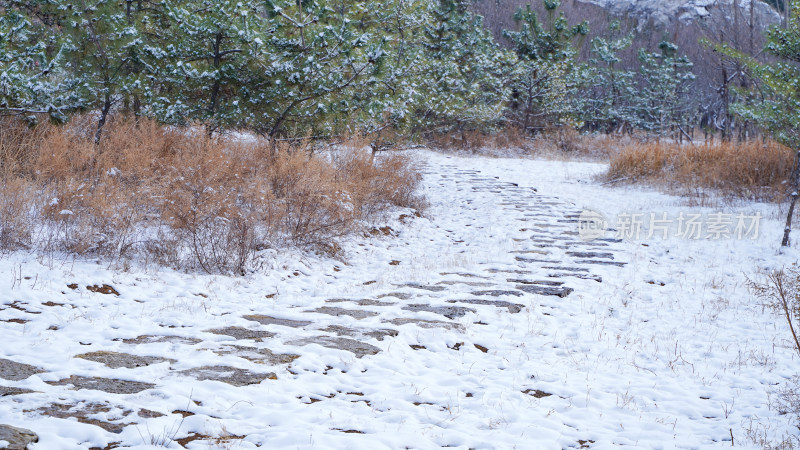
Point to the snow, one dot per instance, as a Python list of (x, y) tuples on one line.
[(628, 362)]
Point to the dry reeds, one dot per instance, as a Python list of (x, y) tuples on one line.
[(750, 170), (183, 198)]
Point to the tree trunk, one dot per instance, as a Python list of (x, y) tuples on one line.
[(103, 116), (787, 7), (752, 26), (212, 106), (795, 186)]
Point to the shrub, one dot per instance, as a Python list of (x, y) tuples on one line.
[(183, 198)]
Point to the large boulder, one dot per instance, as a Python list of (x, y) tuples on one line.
[(17, 438)]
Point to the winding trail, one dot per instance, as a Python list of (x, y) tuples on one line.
[(485, 324)]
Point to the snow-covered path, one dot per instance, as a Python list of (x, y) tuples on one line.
[(488, 323)]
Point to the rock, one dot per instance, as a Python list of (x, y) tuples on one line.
[(7, 391), (257, 355), (497, 293), (111, 385), (566, 269), (151, 339), (546, 290), (88, 413), (513, 308), (423, 323), (467, 283), (604, 263), (226, 374), (17, 438), (542, 282), (536, 260), (591, 255), (240, 333), (400, 295), (269, 320), (378, 334), (451, 312), (361, 302), (14, 371), (357, 314), (425, 287), (360, 349), (116, 360)]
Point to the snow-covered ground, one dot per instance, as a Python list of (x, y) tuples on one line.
[(486, 323)]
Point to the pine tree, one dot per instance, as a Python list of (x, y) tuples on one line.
[(101, 49), (608, 91), (779, 110), (317, 51), (209, 71), (544, 80), (463, 84), (666, 78), (26, 67)]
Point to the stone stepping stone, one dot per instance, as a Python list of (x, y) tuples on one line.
[(553, 245), (360, 349), (451, 312), (269, 320), (8, 391), (357, 314), (115, 360), (516, 271), (362, 302), (467, 283), (424, 287), (612, 240), (582, 276), (378, 334), (14, 371), (546, 290), (591, 255), (257, 355), (542, 282), (513, 308), (496, 293), (566, 269), (83, 413), (400, 295), (152, 339), (464, 275), (241, 333), (528, 252), (425, 323), (601, 262), (110, 385), (542, 241), (593, 244), (17, 438), (227, 374), (556, 238), (536, 260)]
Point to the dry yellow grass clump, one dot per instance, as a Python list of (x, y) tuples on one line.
[(753, 169), (183, 198)]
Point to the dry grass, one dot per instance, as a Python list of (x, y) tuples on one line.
[(185, 199), (750, 170), (562, 143), (477, 141)]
